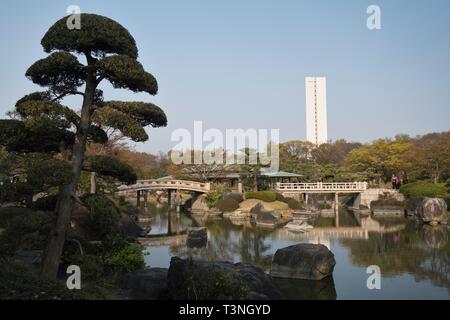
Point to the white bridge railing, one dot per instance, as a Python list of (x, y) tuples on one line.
[(322, 187), (166, 184)]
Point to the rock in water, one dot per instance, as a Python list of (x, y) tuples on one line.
[(200, 279), (298, 225), (197, 237), (150, 284), (303, 261), (432, 211)]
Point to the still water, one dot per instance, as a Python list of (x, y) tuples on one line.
[(414, 260)]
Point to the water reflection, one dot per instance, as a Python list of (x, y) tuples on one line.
[(399, 247), (295, 289)]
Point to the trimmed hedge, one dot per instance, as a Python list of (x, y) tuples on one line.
[(267, 196), (424, 189)]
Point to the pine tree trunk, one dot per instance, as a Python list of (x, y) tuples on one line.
[(65, 202)]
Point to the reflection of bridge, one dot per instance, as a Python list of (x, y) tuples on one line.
[(321, 187), (144, 186), (324, 234)]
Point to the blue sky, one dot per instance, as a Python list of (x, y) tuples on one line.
[(241, 64)]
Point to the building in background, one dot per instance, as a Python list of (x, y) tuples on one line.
[(316, 110)]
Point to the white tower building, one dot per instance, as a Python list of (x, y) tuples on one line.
[(316, 110)]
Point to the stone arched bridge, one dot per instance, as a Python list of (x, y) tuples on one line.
[(144, 186)]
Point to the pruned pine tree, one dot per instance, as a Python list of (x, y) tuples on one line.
[(42, 124)]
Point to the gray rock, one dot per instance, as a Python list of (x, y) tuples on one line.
[(197, 237), (133, 211), (237, 281), (432, 210), (128, 227), (150, 284), (303, 261)]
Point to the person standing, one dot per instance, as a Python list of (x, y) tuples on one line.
[(394, 181)]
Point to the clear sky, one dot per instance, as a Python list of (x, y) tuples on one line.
[(241, 64)]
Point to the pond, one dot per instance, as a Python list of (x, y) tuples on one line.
[(414, 259)]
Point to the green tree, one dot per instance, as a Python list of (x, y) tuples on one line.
[(430, 156), (43, 123), (380, 159)]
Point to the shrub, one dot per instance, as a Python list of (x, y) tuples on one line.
[(128, 259), (103, 215), (424, 189), (7, 214), (91, 266), (213, 196), (227, 205), (27, 231), (216, 284), (20, 283), (267, 196), (294, 204), (46, 203), (281, 198)]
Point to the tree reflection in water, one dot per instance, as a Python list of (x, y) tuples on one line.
[(420, 250), (398, 246)]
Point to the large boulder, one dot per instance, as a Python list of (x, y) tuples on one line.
[(432, 211), (200, 279), (199, 205), (150, 284), (128, 227), (303, 261), (197, 237)]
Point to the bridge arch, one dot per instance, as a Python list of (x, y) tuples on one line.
[(144, 186)]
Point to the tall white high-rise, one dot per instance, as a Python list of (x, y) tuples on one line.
[(316, 110)]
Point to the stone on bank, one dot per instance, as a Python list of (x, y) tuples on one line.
[(218, 280)]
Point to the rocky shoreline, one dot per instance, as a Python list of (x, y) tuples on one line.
[(201, 279)]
